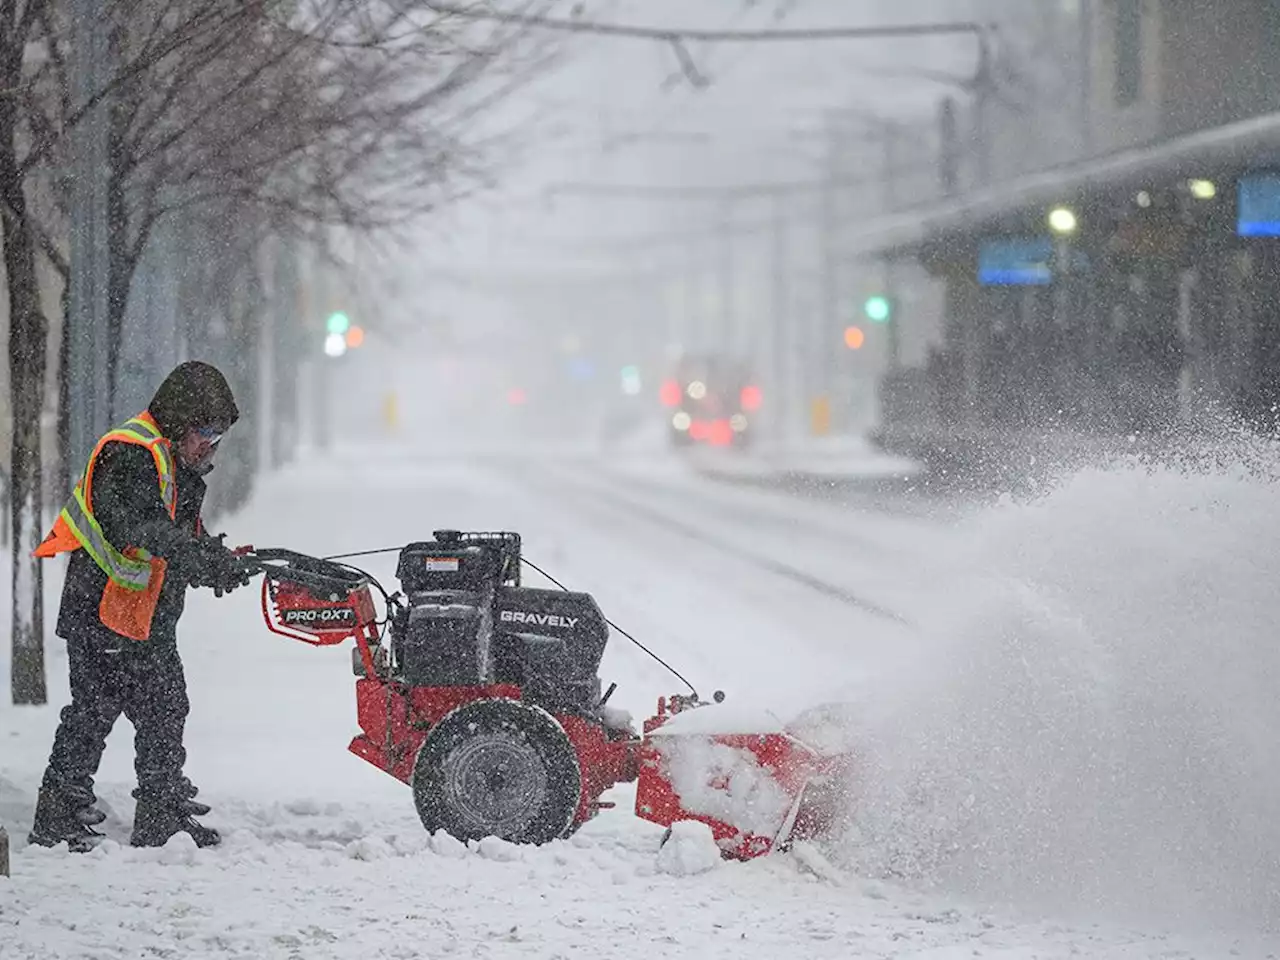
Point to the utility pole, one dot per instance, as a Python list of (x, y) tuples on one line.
[(89, 391), (829, 310), (983, 84), (691, 304), (322, 368), (780, 341), (724, 242), (286, 348), (149, 338), (890, 264), (1086, 76)]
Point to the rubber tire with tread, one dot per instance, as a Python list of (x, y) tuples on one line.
[(528, 730)]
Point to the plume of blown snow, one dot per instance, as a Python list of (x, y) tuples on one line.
[(1094, 723)]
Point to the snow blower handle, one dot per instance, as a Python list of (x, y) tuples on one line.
[(313, 573), (316, 601)]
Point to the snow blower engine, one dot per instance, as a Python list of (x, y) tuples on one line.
[(484, 696)]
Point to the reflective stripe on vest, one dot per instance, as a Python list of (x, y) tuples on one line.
[(128, 572), (164, 459)]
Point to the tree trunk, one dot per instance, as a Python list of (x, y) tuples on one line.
[(67, 471), (245, 358), (28, 331), (120, 263), (282, 378)]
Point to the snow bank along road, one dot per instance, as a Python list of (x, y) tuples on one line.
[(782, 603)]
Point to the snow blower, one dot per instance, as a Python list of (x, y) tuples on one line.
[(482, 695)]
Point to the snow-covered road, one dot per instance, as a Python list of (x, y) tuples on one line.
[(783, 603)]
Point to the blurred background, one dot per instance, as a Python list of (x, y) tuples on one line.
[(978, 227), (921, 355), (955, 243)]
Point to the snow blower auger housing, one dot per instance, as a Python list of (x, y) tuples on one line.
[(484, 696)]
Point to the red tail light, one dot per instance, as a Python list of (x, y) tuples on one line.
[(670, 394), (721, 434), (751, 398)]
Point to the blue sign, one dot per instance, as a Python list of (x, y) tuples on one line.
[(1258, 201), (1016, 262)]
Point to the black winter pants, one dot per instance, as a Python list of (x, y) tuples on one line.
[(146, 683)]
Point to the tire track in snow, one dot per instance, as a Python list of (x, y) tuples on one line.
[(835, 531), (557, 481)]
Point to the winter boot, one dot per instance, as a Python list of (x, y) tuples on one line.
[(186, 791), (57, 821), (193, 806), (162, 814), (80, 793)]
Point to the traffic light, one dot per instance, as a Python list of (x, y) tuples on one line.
[(338, 323), (854, 338), (878, 308)]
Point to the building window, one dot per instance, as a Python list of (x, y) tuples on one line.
[(1128, 41)]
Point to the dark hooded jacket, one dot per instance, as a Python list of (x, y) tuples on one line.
[(128, 507)]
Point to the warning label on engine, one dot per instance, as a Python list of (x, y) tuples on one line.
[(441, 564)]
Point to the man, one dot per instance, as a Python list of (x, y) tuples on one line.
[(137, 541)]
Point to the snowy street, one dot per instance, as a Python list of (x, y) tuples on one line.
[(709, 479), (782, 602)]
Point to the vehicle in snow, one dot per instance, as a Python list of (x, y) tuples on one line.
[(711, 400), (483, 695)]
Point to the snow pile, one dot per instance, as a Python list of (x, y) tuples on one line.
[(369, 849), (495, 848), (690, 849), (447, 846), (727, 783), (1094, 721), (735, 716)]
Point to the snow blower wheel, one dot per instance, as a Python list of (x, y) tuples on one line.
[(498, 768)]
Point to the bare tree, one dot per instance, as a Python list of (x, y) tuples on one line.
[(20, 29), (35, 115), (255, 113), (352, 114)]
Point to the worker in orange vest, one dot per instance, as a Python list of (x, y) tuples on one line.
[(136, 539)]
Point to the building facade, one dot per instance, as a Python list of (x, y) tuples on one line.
[(1152, 303)]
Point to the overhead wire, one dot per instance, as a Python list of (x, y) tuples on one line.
[(667, 34), (532, 566), (670, 669)]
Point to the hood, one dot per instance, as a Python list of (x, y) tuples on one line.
[(195, 394)]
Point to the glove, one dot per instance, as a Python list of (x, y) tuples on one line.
[(234, 573), (229, 570), (213, 565)]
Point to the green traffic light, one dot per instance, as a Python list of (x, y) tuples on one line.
[(877, 309), (338, 323)]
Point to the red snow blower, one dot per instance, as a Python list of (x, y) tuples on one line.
[(482, 694)]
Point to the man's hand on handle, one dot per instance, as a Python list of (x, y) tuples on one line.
[(218, 567)]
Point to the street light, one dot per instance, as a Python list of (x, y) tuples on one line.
[(1062, 220), (1202, 189)]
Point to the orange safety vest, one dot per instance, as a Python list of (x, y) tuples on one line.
[(134, 577)]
